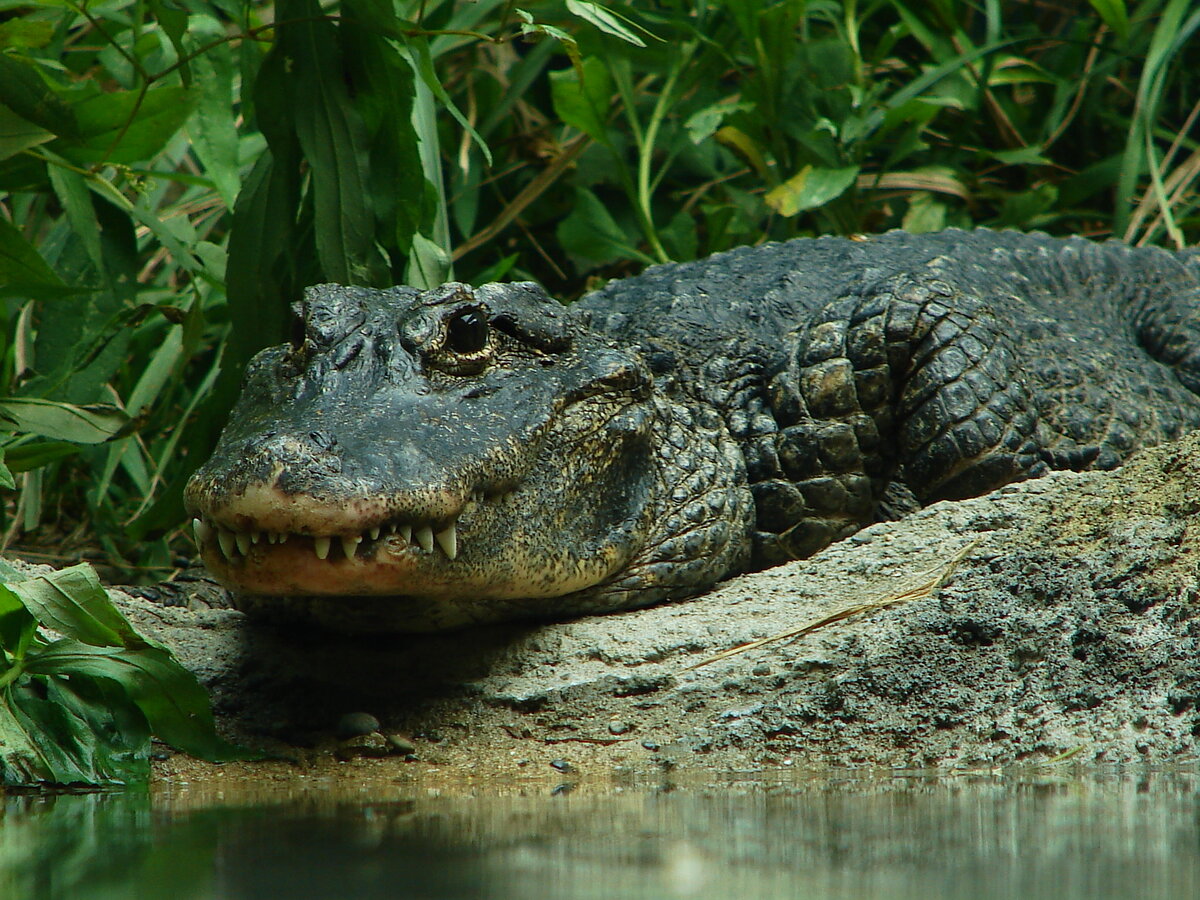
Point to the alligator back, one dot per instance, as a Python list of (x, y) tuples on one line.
[(856, 372)]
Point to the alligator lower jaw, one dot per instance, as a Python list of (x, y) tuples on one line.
[(395, 560), (239, 544)]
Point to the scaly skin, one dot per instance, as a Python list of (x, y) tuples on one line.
[(442, 458)]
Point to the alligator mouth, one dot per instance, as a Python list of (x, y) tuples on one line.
[(421, 536), (266, 542)]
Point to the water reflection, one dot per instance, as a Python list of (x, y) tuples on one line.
[(979, 837)]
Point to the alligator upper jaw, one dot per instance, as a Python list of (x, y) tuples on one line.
[(488, 543)]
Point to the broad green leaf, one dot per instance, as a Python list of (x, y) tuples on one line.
[(334, 142), (703, 123), (116, 128), (169, 696), (17, 625), (73, 603), (41, 741), (17, 134), (72, 191), (173, 19), (925, 214), (22, 267), (591, 234), (1022, 156), (1115, 16), (582, 97), (6, 476), (25, 34), (24, 91), (428, 263), (79, 732), (603, 19), (810, 188), (212, 129), (25, 457), (91, 424)]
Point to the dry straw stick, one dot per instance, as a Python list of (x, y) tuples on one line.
[(934, 579)]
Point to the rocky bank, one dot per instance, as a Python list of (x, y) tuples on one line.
[(1069, 627)]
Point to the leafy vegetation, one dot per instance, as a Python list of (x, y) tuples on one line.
[(81, 708), (173, 172)]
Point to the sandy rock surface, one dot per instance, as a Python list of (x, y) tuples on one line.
[(1069, 627)]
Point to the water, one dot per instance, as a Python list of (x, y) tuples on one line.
[(983, 836)]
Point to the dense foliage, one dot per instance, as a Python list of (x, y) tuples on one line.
[(80, 706), (173, 172)]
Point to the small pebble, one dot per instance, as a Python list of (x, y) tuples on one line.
[(651, 746), (618, 727), (561, 764), (353, 724), (400, 743)]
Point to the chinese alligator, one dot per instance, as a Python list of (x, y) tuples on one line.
[(417, 460)]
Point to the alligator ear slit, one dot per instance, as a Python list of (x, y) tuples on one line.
[(507, 324)]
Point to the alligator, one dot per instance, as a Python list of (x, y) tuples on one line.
[(427, 459)]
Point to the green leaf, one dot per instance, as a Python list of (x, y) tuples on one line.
[(17, 625), (25, 33), (72, 191), (810, 188), (91, 424), (173, 702), (6, 476), (25, 457), (116, 128), (703, 123), (24, 91), (592, 235), (73, 603), (925, 214), (213, 129), (173, 19), (333, 139), (1115, 16), (22, 269), (529, 26), (428, 263), (17, 134), (581, 98), (603, 19), (62, 739)]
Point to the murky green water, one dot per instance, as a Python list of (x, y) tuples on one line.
[(1094, 836)]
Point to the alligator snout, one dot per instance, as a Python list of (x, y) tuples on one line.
[(316, 450)]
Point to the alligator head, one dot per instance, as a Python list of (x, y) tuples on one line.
[(459, 455)]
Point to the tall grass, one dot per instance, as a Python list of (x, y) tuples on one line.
[(171, 179)]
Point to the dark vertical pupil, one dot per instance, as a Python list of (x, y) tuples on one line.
[(467, 332)]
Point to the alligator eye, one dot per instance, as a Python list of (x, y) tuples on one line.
[(467, 332)]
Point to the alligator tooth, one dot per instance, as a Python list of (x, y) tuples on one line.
[(448, 540), (202, 530), (227, 542), (255, 537), (425, 538), (283, 536), (321, 545), (406, 533), (270, 537), (374, 532), (243, 541), (350, 545)]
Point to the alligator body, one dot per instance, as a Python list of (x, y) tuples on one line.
[(425, 460)]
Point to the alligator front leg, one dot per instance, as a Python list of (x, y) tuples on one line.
[(910, 380)]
